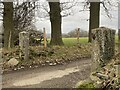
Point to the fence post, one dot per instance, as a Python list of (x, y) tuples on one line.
[(103, 46), (78, 35), (45, 43), (24, 45)]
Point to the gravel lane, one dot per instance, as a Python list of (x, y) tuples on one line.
[(59, 76)]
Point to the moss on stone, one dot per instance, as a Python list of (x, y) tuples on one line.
[(87, 85), (103, 45)]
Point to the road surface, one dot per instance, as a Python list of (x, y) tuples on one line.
[(59, 76)]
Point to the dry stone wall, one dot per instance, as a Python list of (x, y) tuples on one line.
[(103, 46), (24, 45)]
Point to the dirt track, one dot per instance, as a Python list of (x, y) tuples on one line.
[(60, 76)]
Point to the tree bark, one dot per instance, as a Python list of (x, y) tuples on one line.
[(94, 17), (8, 25), (119, 40), (119, 34), (119, 27), (55, 19)]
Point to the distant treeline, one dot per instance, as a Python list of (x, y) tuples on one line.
[(74, 33)]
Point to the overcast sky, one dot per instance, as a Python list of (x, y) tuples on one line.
[(79, 20)]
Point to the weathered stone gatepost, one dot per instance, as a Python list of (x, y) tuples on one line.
[(24, 45), (103, 46)]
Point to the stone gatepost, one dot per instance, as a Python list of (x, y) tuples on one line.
[(103, 46), (24, 45)]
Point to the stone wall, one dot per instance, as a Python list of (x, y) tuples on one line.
[(1, 40), (24, 45), (103, 45), (105, 68)]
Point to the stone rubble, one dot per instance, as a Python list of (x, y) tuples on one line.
[(105, 69), (107, 77), (12, 62)]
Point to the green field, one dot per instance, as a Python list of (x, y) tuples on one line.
[(116, 39), (83, 40), (73, 41)]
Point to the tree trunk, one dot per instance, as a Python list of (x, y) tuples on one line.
[(94, 17), (119, 35), (55, 19), (119, 40), (119, 27), (8, 25)]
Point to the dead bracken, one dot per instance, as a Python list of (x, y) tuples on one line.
[(38, 56)]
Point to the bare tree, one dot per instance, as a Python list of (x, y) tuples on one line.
[(23, 14), (119, 27), (16, 17), (55, 11), (94, 17), (55, 19), (66, 8), (8, 24), (95, 13)]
